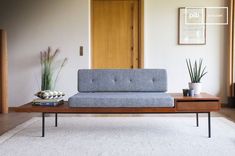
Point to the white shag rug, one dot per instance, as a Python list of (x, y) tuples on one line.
[(120, 136)]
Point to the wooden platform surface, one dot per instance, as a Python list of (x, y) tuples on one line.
[(200, 103)]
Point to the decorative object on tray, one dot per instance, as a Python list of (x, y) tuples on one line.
[(47, 102), (48, 98), (47, 94), (196, 72), (185, 92), (188, 92), (191, 92), (47, 58)]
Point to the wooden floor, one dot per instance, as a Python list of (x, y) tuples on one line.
[(12, 119)]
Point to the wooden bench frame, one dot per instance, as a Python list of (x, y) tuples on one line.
[(203, 103)]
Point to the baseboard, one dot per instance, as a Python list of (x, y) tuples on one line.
[(12, 109)]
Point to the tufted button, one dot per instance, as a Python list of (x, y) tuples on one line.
[(114, 80), (130, 80), (92, 80), (153, 79)]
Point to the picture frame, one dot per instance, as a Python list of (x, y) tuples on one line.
[(191, 26)]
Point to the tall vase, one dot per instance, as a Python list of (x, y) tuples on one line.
[(46, 83), (197, 87), (46, 79)]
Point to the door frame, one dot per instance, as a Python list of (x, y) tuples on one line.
[(4, 72), (141, 34)]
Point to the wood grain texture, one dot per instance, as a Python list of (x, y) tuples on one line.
[(201, 103), (199, 106), (202, 96), (115, 33), (230, 60), (4, 73), (91, 110), (141, 34)]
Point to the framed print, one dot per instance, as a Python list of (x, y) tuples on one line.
[(192, 26)]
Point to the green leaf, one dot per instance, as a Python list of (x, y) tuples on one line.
[(196, 71), (47, 73)]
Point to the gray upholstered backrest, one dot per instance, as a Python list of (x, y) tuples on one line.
[(122, 80)]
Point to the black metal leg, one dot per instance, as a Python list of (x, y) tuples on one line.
[(43, 124), (197, 119), (209, 124), (55, 119)]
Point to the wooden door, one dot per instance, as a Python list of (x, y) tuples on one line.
[(115, 34)]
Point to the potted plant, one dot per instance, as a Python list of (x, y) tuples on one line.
[(47, 59), (196, 72)]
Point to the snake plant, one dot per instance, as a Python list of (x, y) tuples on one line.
[(196, 71)]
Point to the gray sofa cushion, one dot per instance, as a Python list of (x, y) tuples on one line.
[(122, 80), (121, 99)]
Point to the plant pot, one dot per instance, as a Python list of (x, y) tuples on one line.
[(197, 87)]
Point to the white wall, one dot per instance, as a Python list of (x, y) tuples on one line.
[(162, 51), (33, 25)]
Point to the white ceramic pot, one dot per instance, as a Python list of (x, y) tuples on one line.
[(197, 87)]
